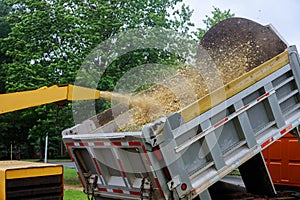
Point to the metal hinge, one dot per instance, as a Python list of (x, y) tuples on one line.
[(154, 132), (174, 183)]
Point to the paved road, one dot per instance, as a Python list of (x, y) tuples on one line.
[(65, 164)]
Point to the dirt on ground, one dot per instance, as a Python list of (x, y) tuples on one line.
[(73, 187)]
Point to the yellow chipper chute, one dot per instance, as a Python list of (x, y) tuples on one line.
[(44, 95), (34, 180)]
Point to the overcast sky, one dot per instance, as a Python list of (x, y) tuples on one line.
[(284, 15)]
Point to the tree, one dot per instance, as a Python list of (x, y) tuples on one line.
[(4, 27), (4, 30), (50, 39), (217, 16), (6, 124)]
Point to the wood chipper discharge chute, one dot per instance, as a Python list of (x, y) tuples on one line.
[(182, 154)]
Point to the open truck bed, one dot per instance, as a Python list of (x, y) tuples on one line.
[(181, 155)]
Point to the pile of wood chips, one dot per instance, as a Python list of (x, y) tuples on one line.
[(228, 50), (188, 85)]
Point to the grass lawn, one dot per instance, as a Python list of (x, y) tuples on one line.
[(74, 195), (235, 172), (70, 177), (71, 181)]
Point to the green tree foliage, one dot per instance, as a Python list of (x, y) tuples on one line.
[(4, 27), (6, 121), (4, 30), (50, 39), (209, 21)]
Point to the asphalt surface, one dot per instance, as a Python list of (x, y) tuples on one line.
[(65, 164)]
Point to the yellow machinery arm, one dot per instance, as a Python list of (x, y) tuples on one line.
[(44, 95), (11, 172)]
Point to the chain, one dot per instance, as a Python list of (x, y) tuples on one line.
[(94, 185), (150, 192), (143, 190), (89, 189)]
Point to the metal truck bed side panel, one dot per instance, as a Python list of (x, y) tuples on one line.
[(182, 155)]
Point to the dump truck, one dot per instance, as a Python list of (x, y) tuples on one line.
[(181, 155)]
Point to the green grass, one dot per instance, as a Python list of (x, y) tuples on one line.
[(235, 172), (74, 195), (70, 176), (71, 179)]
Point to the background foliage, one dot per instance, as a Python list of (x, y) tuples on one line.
[(43, 43), (217, 15)]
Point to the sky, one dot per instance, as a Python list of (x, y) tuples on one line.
[(284, 15)]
